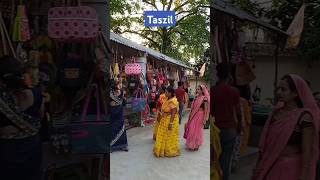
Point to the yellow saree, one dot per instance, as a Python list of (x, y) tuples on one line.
[(167, 141), (216, 172), (161, 100)]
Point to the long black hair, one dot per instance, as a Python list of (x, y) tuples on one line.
[(171, 90)]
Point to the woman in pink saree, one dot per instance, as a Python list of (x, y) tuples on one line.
[(289, 145), (197, 118)]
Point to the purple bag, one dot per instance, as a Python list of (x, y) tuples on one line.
[(138, 102), (90, 132)]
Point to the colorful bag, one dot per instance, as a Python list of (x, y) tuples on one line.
[(21, 30), (186, 132), (138, 103), (133, 68), (71, 73), (90, 132), (73, 24)]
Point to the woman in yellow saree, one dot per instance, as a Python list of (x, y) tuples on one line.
[(216, 172), (167, 139), (160, 101)]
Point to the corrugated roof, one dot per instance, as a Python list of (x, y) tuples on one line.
[(227, 8), (119, 39)]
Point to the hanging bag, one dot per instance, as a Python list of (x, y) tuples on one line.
[(133, 68), (90, 132), (73, 24), (138, 102), (72, 73), (21, 30)]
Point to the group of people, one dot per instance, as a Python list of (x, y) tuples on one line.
[(169, 118), (289, 144)]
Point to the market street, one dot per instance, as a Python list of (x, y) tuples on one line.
[(139, 163)]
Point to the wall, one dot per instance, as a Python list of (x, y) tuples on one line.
[(265, 68), (200, 82)]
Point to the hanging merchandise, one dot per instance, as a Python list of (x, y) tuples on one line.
[(116, 68), (133, 83), (101, 51), (133, 68), (6, 47), (171, 75), (90, 132), (72, 71), (21, 30), (7, 8), (138, 102), (244, 74), (73, 24)]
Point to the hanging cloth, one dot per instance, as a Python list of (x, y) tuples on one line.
[(21, 30)]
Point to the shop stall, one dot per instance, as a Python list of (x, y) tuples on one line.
[(65, 50), (150, 70)]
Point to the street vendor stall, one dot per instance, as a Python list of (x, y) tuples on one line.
[(66, 59), (153, 71)]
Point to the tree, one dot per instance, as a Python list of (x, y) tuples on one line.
[(282, 14), (187, 40)]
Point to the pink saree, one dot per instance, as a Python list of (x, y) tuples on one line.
[(198, 117), (273, 164)]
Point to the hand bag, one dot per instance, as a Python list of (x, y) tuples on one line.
[(73, 24), (138, 103), (133, 68), (90, 132)]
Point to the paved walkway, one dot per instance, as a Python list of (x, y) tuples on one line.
[(245, 167), (140, 164)]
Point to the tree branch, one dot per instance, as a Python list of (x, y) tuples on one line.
[(182, 12), (184, 17), (150, 3), (179, 7), (170, 4)]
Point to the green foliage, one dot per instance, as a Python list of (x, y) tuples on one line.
[(187, 40), (281, 15)]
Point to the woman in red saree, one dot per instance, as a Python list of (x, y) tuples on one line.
[(289, 145), (197, 118)]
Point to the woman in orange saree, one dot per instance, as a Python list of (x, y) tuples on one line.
[(289, 145)]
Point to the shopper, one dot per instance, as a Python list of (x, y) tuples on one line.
[(226, 110), (20, 113), (289, 145), (167, 140), (119, 134), (180, 94), (197, 118), (162, 98)]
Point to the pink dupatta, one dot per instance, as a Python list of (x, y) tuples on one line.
[(276, 135)]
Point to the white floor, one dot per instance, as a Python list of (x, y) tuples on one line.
[(140, 164)]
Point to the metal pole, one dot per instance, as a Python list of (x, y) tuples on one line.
[(276, 56)]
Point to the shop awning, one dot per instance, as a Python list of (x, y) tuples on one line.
[(227, 8), (121, 40)]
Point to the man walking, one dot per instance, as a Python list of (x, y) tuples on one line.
[(226, 109), (180, 95)]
